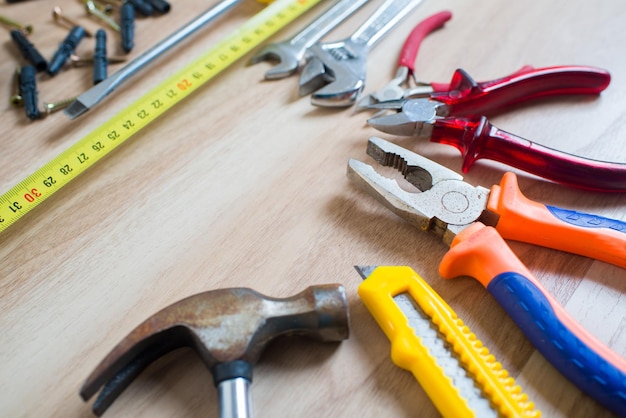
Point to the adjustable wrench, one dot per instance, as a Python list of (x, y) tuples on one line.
[(290, 53), (337, 70)]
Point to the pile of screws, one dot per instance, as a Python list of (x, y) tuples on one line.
[(107, 12)]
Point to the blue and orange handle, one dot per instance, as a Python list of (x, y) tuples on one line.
[(521, 219), (480, 252)]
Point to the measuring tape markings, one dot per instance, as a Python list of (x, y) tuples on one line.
[(58, 172)]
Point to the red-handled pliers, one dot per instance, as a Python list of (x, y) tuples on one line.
[(405, 84), (455, 117)]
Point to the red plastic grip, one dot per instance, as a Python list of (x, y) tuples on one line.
[(477, 138), (414, 40), (445, 87), (468, 97)]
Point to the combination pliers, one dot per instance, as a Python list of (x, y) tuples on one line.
[(459, 213)]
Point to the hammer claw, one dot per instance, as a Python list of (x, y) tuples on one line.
[(126, 373)]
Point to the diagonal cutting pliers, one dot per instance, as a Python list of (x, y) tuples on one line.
[(405, 72), (459, 212), (456, 117), (405, 84)]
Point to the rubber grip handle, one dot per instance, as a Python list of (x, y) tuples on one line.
[(414, 40), (468, 97), (480, 252), (477, 138), (522, 219), (160, 6)]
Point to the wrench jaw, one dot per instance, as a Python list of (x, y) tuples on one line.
[(334, 74), (314, 76), (338, 95), (288, 60)]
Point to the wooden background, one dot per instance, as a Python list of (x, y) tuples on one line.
[(243, 184)]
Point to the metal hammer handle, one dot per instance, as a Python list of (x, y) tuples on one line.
[(235, 398)]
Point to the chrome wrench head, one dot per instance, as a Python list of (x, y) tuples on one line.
[(342, 65), (334, 74), (288, 56)]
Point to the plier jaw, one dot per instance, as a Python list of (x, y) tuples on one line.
[(401, 85), (393, 90), (414, 117), (442, 202)]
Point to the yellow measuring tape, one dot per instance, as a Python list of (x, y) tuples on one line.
[(50, 178)]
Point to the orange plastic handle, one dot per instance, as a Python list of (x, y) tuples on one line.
[(522, 219), (480, 252)]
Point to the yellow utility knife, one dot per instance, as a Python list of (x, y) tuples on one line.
[(455, 369)]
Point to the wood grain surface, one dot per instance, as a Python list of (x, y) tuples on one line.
[(244, 184)]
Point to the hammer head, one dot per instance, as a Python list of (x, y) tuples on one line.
[(225, 326)]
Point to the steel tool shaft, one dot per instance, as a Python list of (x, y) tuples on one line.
[(96, 94), (335, 71)]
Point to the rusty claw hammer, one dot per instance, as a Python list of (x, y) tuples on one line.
[(228, 328)]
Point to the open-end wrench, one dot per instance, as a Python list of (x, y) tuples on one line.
[(335, 72), (290, 53)]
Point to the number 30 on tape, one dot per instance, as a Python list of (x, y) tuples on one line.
[(47, 180)]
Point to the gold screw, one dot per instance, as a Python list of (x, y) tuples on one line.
[(17, 100), (49, 108), (59, 17), (104, 7), (93, 10), (25, 29), (82, 61), (113, 3)]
